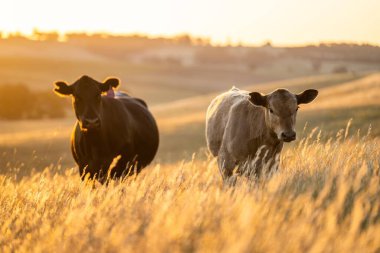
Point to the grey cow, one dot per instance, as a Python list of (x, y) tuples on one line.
[(245, 128)]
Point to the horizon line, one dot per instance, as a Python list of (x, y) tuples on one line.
[(29, 35)]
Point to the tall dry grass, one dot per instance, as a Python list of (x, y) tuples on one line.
[(325, 198)]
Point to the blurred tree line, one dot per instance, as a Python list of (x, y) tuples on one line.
[(127, 47), (17, 101)]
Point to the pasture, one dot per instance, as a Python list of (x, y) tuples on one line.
[(325, 197)]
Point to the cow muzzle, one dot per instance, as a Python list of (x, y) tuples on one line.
[(88, 124), (288, 136)]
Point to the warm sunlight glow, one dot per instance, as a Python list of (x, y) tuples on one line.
[(249, 21)]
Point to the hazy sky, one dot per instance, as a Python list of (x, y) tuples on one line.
[(286, 22)]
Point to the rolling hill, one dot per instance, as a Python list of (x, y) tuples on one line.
[(342, 97)]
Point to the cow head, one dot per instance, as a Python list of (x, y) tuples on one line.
[(86, 96), (281, 108)]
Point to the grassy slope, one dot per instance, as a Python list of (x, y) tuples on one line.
[(193, 109), (341, 98)]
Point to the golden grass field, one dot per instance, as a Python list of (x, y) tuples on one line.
[(325, 197)]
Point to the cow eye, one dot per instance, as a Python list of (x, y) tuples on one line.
[(270, 110)]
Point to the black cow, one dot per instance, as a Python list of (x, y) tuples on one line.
[(107, 128)]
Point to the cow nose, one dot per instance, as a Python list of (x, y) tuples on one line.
[(91, 123), (288, 136)]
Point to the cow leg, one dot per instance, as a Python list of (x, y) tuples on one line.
[(226, 165)]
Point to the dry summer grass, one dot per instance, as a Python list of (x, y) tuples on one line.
[(325, 198)]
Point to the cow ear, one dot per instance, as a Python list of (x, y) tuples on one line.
[(63, 89), (258, 99), (108, 83), (307, 96)]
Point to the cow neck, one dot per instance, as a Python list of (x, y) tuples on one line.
[(94, 142)]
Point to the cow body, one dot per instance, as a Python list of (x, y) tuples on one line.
[(248, 136), (109, 128), (127, 130)]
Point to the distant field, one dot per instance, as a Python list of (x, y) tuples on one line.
[(162, 73), (156, 83), (342, 97)]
